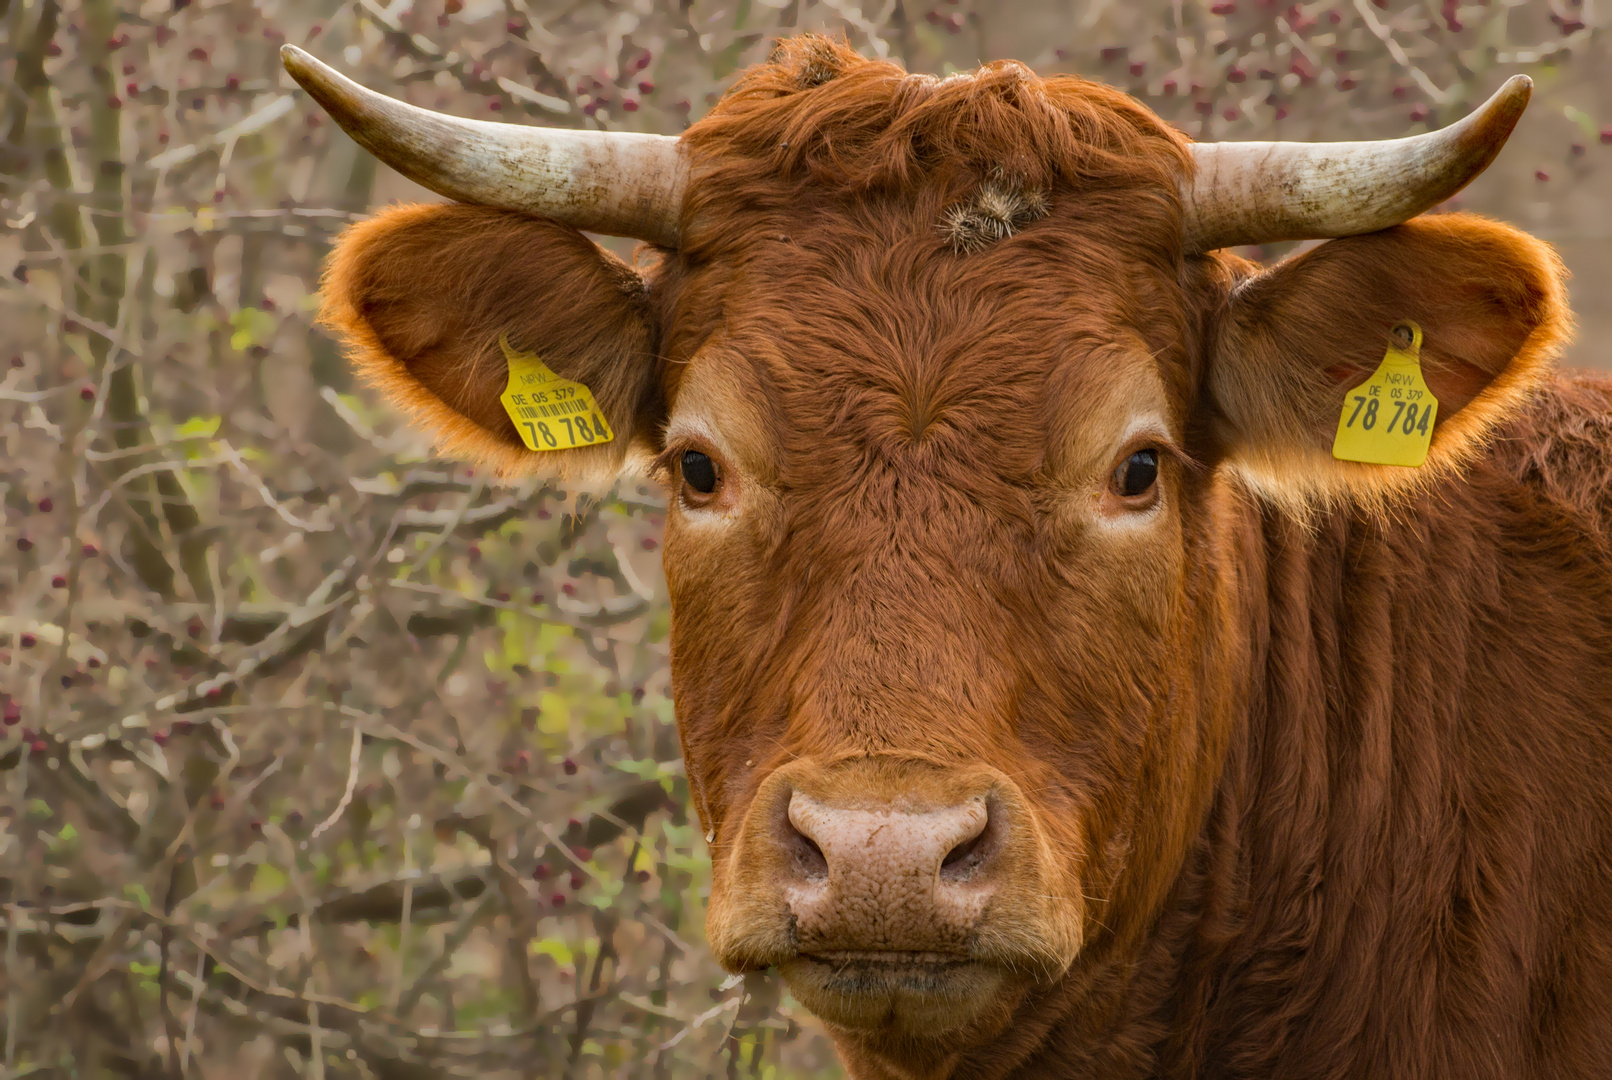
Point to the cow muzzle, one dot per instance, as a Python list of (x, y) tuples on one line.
[(896, 896)]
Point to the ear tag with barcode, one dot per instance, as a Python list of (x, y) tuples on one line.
[(549, 412), (1388, 419)]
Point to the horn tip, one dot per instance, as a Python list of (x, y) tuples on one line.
[(1501, 112), (1517, 90), (297, 63)]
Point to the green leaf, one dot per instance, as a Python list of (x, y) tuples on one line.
[(1584, 120), (198, 427), (269, 881), (251, 327)]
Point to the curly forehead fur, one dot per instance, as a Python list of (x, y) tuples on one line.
[(818, 115)]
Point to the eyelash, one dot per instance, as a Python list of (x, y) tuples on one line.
[(668, 466)]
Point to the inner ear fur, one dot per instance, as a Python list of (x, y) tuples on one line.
[(1294, 339), (422, 294)]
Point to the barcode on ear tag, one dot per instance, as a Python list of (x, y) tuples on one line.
[(1388, 419), (549, 412)]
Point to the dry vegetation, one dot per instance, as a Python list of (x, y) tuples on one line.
[(324, 757)]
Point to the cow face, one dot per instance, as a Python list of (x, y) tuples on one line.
[(951, 419)]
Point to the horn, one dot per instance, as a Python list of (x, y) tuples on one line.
[(1261, 192), (610, 182)]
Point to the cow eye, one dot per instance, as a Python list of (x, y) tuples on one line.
[(1137, 474), (699, 472)]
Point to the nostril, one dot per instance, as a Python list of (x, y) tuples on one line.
[(809, 859), (961, 852), (972, 853)]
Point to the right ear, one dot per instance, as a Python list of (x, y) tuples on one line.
[(422, 295)]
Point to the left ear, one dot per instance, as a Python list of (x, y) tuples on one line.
[(1294, 339)]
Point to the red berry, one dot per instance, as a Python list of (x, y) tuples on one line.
[(58, 581), (216, 799), (583, 853), (495, 104), (1236, 75), (557, 900), (642, 875), (1223, 9), (513, 26), (569, 766), (629, 105), (160, 737), (89, 550), (540, 871), (649, 543), (13, 714), (87, 393), (24, 544), (1541, 175), (39, 746), (576, 880), (646, 87), (199, 53), (1606, 136), (256, 825)]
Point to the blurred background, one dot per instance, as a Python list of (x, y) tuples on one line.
[(323, 757)]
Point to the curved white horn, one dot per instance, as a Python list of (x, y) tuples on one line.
[(1261, 192), (616, 183)]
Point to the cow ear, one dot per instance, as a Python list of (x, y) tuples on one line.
[(1293, 340), (424, 295)]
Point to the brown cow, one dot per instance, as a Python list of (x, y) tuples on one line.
[(1056, 703)]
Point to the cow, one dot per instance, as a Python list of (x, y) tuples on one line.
[(1057, 698)]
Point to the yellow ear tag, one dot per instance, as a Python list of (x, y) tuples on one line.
[(550, 413), (1388, 419)]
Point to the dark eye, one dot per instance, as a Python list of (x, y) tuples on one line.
[(1137, 474), (699, 472)]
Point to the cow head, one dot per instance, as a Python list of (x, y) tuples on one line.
[(954, 398)]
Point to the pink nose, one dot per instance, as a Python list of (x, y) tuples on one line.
[(888, 880)]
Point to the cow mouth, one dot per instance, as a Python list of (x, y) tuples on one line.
[(902, 993), (881, 969)]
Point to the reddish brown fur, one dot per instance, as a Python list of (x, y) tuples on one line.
[(1322, 747)]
